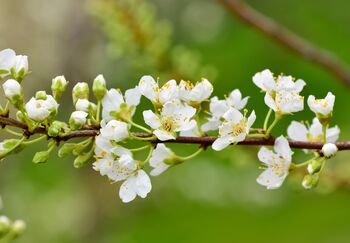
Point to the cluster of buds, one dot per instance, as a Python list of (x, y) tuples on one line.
[(181, 108)]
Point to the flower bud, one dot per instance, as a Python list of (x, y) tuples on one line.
[(40, 95), (82, 159), (20, 68), (315, 165), (77, 120), (13, 92), (82, 105), (99, 87), (57, 128), (58, 86), (9, 145), (66, 149), (329, 150), (310, 181), (80, 91), (18, 227), (7, 60), (4, 225), (41, 157)]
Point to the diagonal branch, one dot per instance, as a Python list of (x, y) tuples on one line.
[(288, 39), (204, 141)]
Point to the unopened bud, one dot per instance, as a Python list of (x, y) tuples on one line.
[(99, 87), (77, 120), (315, 165), (4, 225), (20, 68), (66, 149), (82, 159), (18, 227), (310, 181), (80, 91), (57, 128), (329, 150), (13, 92), (40, 95), (41, 157), (82, 105), (58, 86)]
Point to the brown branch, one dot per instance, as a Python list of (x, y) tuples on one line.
[(204, 141), (288, 39)]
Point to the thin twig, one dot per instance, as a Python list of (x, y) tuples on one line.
[(204, 141), (288, 39)]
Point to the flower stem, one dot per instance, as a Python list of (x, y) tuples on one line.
[(259, 135), (324, 128), (13, 132), (148, 157), (267, 118), (140, 148), (191, 155), (273, 124), (152, 138), (98, 112), (139, 126), (34, 140)]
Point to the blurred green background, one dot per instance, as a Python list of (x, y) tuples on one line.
[(212, 198)]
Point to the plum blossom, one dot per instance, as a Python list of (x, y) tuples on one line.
[(12, 88), (7, 61), (77, 119), (39, 109), (285, 102), (158, 96), (195, 94), (277, 163), (234, 129), (174, 117), (114, 130), (322, 107), (20, 67), (115, 105), (314, 133)]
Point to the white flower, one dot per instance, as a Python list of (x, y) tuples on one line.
[(235, 100), (322, 107), (114, 130), (217, 109), (277, 163), (12, 88), (138, 184), (20, 67), (7, 60), (159, 155), (285, 102), (158, 96), (114, 105), (195, 94), (234, 129), (329, 150), (82, 105), (78, 118), (267, 83), (299, 132), (174, 117), (39, 110)]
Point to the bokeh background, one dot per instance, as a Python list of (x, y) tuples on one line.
[(212, 198)]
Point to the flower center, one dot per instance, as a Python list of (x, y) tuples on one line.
[(312, 138), (239, 128), (168, 124)]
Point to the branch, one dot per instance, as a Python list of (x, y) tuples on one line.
[(288, 39), (204, 141)]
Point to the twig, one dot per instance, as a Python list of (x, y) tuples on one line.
[(204, 141), (288, 39)]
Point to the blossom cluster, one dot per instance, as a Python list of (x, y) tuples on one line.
[(178, 109)]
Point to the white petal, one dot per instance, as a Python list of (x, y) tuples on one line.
[(163, 135), (143, 184), (264, 79), (233, 115), (127, 191), (270, 102), (132, 97), (221, 143), (266, 155), (333, 134), (211, 125), (160, 154), (168, 92), (297, 131), (218, 107), (151, 119), (283, 149), (251, 120), (269, 179), (299, 85), (149, 88)]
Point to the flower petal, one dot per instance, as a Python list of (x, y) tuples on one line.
[(221, 143), (151, 119), (297, 131)]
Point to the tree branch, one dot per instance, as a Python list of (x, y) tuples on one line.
[(204, 141), (288, 39)]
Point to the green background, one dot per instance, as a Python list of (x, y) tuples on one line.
[(212, 198)]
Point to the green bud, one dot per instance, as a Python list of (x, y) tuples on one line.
[(80, 91), (40, 95), (57, 128), (315, 165), (18, 227), (4, 225), (66, 149), (20, 116), (173, 160), (83, 159), (41, 157), (9, 146), (310, 181), (58, 86), (99, 87)]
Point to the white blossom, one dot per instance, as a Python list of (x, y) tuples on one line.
[(39, 110), (174, 117), (158, 96), (195, 94), (78, 117), (159, 155), (138, 184), (20, 66), (277, 163), (114, 130), (322, 107), (314, 133), (234, 129), (235, 100), (114, 104), (7, 60), (285, 102), (329, 150), (82, 105), (12, 88)]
